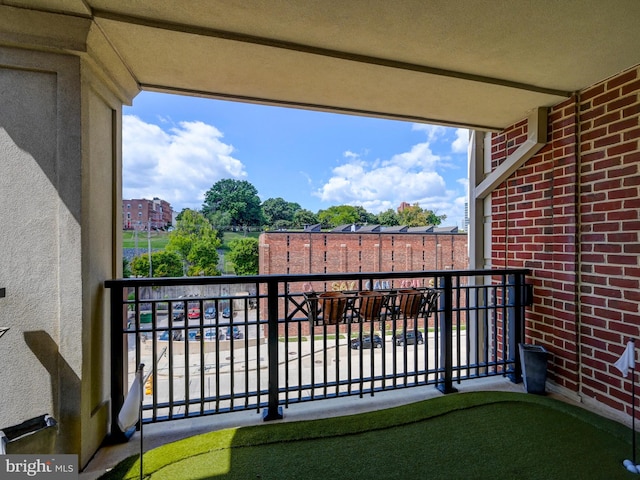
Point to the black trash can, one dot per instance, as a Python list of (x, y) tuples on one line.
[(533, 359)]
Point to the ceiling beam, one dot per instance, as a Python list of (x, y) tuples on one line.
[(325, 52)]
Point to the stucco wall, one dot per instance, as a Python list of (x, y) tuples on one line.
[(41, 267), (60, 193)]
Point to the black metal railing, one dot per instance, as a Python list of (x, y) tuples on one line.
[(221, 344)]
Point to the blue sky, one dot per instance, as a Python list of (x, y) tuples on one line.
[(177, 147)]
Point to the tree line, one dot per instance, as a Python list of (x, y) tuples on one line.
[(234, 205)]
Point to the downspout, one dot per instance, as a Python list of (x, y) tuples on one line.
[(578, 244)]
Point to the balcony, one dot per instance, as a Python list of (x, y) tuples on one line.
[(214, 345)]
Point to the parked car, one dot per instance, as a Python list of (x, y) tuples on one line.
[(409, 337), (237, 333), (194, 313), (365, 342), (178, 316), (176, 335), (226, 313), (210, 313), (209, 334)]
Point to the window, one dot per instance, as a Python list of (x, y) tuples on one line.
[(128, 205), (139, 206)]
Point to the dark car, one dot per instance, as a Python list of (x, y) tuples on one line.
[(236, 333), (209, 334), (176, 335), (365, 342), (408, 338)]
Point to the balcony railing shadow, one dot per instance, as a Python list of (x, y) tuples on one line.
[(225, 344)]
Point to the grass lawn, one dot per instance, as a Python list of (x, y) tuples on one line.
[(484, 435), (228, 237), (159, 240)]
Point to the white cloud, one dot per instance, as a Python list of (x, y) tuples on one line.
[(414, 176), (178, 165), (461, 143), (433, 131)]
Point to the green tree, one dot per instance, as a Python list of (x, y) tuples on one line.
[(238, 198), (388, 218), (365, 217), (126, 268), (244, 256), (220, 221), (304, 217), (282, 225), (275, 209), (433, 219), (338, 215), (415, 216), (163, 264), (196, 243)]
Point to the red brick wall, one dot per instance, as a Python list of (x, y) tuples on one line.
[(320, 252), (571, 215)]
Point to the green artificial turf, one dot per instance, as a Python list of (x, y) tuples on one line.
[(484, 435)]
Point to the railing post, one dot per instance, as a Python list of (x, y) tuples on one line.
[(516, 323), (274, 411), (446, 332), (118, 366)]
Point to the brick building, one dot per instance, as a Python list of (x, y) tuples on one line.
[(352, 248), (138, 214), (571, 214)]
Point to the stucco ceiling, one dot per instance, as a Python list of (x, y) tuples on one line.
[(478, 63)]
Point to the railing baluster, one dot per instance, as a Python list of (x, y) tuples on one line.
[(274, 412), (118, 363), (446, 383), (517, 331)]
